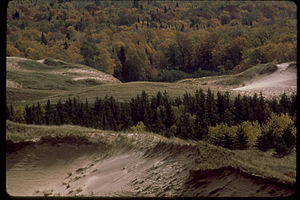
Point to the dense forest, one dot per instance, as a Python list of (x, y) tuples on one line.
[(234, 123), (154, 40)]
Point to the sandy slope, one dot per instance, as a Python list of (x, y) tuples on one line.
[(82, 73), (159, 169), (283, 79)]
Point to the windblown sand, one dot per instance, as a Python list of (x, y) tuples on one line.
[(282, 80), (72, 169)]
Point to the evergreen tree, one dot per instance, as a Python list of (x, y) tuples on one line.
[(273, 105), (48, 113), (16, 15), (10, 113), (245, 108), (122, 58), (293, 105), (237, 110), (98, 113), (38, 114), (262, 111), (43, 39), (288, 137), (284, 104), (210, 115), (68, 111), (59, 114), (242, 138), (125, 116), (28, 115), (186, 126)]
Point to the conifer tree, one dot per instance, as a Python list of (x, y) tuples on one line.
[(284, 103), (210, 115), (28, 115), (43, 39), (38, 114), (59, 119), (48, 113), (237, 109)]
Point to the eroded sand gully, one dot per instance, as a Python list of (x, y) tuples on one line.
[(43, 169)]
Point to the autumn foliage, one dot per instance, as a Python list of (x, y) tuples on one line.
[(154, 40)]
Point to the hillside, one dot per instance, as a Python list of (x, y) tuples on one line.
[(73, 161), (154, 40), (29, 81)]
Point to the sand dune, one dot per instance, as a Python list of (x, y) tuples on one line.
[(284, 79), (46, 168)]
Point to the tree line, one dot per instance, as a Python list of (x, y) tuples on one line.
[(232, 122)]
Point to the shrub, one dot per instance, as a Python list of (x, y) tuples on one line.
[(247, 134), (140, 126), (242, 138), (289, 136), (278, 133), (222, 135)]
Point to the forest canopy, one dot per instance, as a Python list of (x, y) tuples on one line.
[(154, 40)]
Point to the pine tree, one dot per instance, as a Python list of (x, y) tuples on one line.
[(237, 109), (43, 39), (210, 115), (125, 116), (16, 15), (68, 111), (28, 115), (48, 113), (284, 104), (98, 113), (10, 113), (59, 119), (38, 114), (242, 138), (261, 112)]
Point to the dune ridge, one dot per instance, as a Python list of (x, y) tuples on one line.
[(129, 167)]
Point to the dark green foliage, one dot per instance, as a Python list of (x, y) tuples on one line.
[(242, 139), (288, 138), (282, 150), (16, 15), (28, 115), (188, 118), (43, 39), (89, 50), (10, 113)]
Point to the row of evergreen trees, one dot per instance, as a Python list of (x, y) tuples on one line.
[(187, 117)]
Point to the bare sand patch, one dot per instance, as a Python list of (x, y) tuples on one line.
[(12, 84), (83, 74), (157, 170), (282, 80), (12, 63)]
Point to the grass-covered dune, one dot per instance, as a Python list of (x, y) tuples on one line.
[(72, 160), (30, 81)]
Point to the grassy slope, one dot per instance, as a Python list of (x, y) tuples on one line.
[(40, 82), (253, 161)]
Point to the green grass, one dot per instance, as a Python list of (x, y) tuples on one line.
[(40, 83), (248, 74), (36, 66), (24, 132)]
